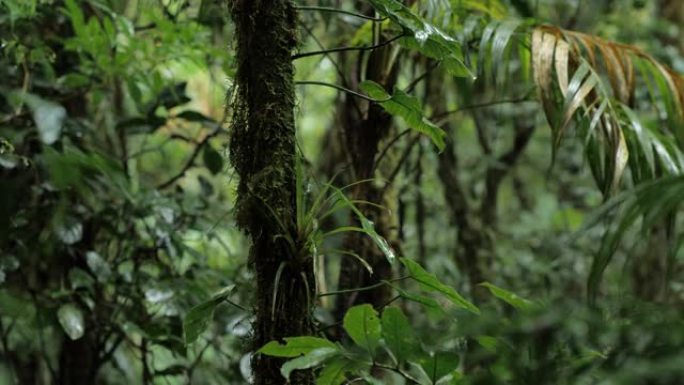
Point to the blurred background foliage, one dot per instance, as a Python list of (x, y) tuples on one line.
[(116, 198)]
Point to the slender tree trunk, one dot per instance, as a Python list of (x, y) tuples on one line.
[(77, 364), (262, 150), (363, 136)]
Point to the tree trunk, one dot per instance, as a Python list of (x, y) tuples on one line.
[(262, 150), (77, 361), (363, 134)]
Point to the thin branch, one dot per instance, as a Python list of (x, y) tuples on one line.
[(343, 89), (397, 370), (191, 160), (337, 10), (424, 75), (390, 144), (237, 305), (340, 73), (344, 49), (401, 161), (439, 118), (365, 288)]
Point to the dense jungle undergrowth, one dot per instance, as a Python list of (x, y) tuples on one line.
[(432, 192)]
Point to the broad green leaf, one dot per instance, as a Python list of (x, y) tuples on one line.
[(212, 159), (430, 283), (13, 305), (508, 297), (309, 360), (295, 346), (428, 302), (71, 319), (440, 364), (199, 317), (406, 107), (363, 326), (424, 37), (334, 373), (398, 334)]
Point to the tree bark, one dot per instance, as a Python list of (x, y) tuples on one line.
[(363, 134), (262, 150)]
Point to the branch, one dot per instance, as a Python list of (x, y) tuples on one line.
[(401, 161), (191, 160), (365, 288), (344, 49), (439, 118), (343, 89), (337, 10), (390, 144), (496, 172)]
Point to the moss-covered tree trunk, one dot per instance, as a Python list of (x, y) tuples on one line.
[(262, 150)]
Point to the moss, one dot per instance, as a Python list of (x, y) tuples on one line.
[(263, 151)]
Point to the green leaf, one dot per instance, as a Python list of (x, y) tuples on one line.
[(13, 305), (406, 107), (426, 301), (199, 317), (212, 159), (508, 297), (367, 227), (488, 342), (430, 283), (425, 37), (194, 116), (398, 334), (334, 372), (98, 266), (309, 360), (71, 319), (295, 346), (363, 326), (48, 116), (439, 364)]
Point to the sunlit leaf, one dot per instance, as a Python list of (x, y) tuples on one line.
[(71, 318)]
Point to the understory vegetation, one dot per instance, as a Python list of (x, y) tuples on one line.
[(432, 192)]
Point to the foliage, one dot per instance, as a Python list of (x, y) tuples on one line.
[(539, 144)]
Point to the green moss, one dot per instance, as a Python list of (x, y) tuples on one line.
[(263, 150)]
